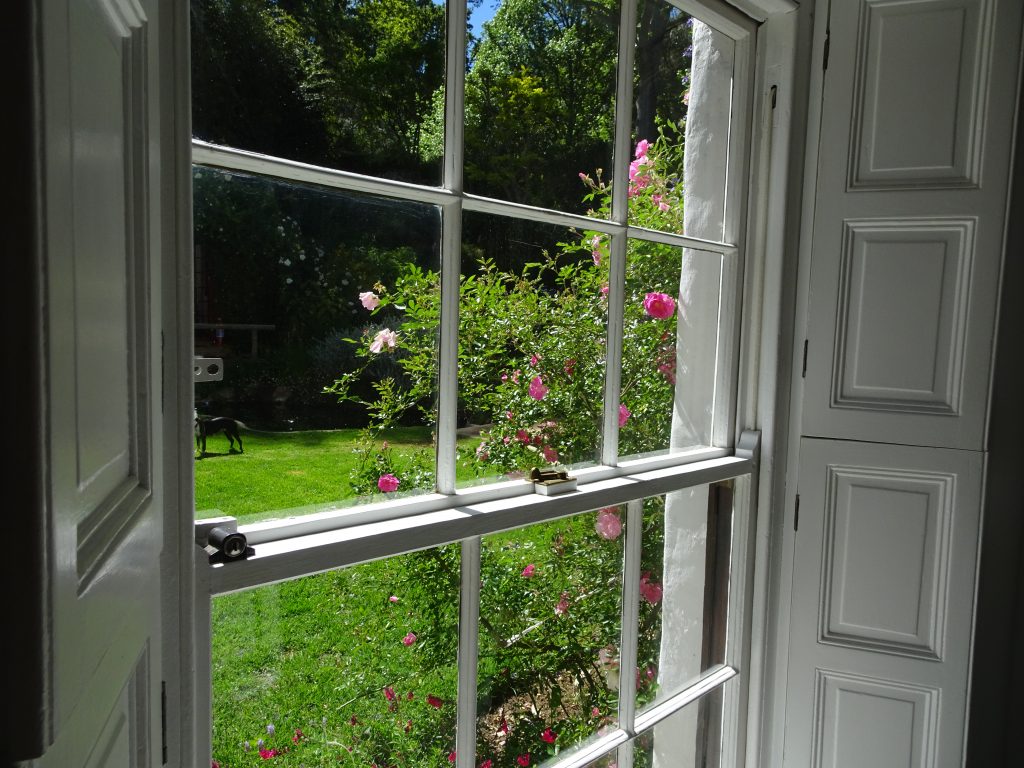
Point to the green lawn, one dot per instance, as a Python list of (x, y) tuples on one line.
[(287, 473)]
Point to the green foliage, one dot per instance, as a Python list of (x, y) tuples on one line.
[(532, 343)]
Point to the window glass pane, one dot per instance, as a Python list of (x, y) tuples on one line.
[(532, 320), (280, 270), (689, 738), (683, 86), (354, 86), (550, 615), (670, 350), (540, 95), (350, 667), (683, 585)]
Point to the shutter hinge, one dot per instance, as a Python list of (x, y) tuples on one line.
[(796, 514), (803, 373), (775, 93), (828, 45), (163, 722)]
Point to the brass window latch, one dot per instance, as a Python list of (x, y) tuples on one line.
[(551, 481)]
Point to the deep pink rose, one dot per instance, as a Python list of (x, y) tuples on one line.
[(409, 639), (435, 702), (388, 483), (649, 590), (528, 571), (537, 388), (641, 148), (550, 454), (624, 415), (659, 305), (549, 736)]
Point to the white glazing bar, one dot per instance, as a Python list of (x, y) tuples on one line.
[(617, 247), (454, 90), (708, 682), (628, 646), (685, 241), (448, 347), (624, 759), (451, 247), (739, 607), (583, 756), (533, 213), (469, 638), (228, 158), (304, 555), (304, 521)]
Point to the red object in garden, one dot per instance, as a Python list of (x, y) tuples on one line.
[(549, 736)]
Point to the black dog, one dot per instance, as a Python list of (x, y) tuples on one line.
[(211, 425)]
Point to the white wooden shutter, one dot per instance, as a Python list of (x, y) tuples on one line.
[(916, 126)]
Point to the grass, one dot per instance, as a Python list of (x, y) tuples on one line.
[(290, 473)]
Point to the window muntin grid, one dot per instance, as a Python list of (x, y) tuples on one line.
[(401, 526)]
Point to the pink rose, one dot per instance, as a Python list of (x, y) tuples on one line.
[(388, 483), (369, 300), (649, 590), (608, 524), (537, 388), (528, 571), (409, 639), (659, 305), (523, 760), (549, 736), (624, 415), (550, 454), (641, 148), (384, 338)]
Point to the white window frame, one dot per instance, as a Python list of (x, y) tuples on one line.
[(294, 547)]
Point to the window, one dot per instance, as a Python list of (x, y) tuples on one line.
[(500, 246)]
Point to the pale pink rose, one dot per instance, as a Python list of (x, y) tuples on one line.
[(550, 454), (384, 338), (369, 300), (624, 415), (388, 483), (604, 291), (393, 599), (608, 524), (528, 571), (537, 388), (409, 639), (659, 305), (641, 148)]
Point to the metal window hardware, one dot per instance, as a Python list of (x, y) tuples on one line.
[(207, 369), (220, 538), (551, 481)]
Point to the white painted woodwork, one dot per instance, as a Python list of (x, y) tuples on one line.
[(883, 605), (100, 102), (909, 219)]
